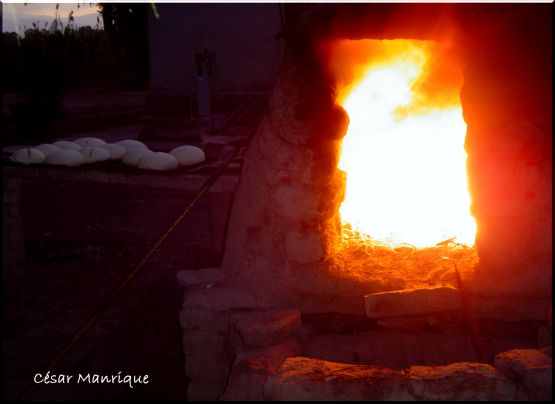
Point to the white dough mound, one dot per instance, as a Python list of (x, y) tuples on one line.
[(69, 158), (89, 141), (93, 154), (158, 161), (131, 144), (47, 148), (188, 155), (116, 151), (133, 155), (67, 145), (27, 155)]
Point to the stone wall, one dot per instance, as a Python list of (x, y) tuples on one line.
[(506, 100), (238, 350)]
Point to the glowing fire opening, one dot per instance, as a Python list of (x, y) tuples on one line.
[(404, 155)]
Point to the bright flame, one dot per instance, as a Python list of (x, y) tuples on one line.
[(404, 149)]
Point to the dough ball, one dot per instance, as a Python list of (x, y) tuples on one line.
[(68, 158), (116, 151), (47, 148), (90, 141), (133, 155), (93, 154), (188, 155), (158, 161), (28, 155), (131, 144), (66, 145)]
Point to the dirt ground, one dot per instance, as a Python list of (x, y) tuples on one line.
[(80, 240)]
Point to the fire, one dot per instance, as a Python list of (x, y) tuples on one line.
[(404, 149)]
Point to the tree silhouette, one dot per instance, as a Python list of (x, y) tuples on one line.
[(126, 26)]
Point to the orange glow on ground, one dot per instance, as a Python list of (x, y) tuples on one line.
[(404, 149)]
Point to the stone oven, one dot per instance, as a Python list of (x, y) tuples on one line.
[(296, 311)]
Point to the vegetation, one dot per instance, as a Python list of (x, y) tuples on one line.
[(49, 59)]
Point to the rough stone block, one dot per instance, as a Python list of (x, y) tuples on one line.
[(460, 381), (530, 367), (252, 369), (300, 379), (413, 302), (263, 328), (203, 277)]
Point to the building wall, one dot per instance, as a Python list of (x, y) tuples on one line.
[(242, 37)]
